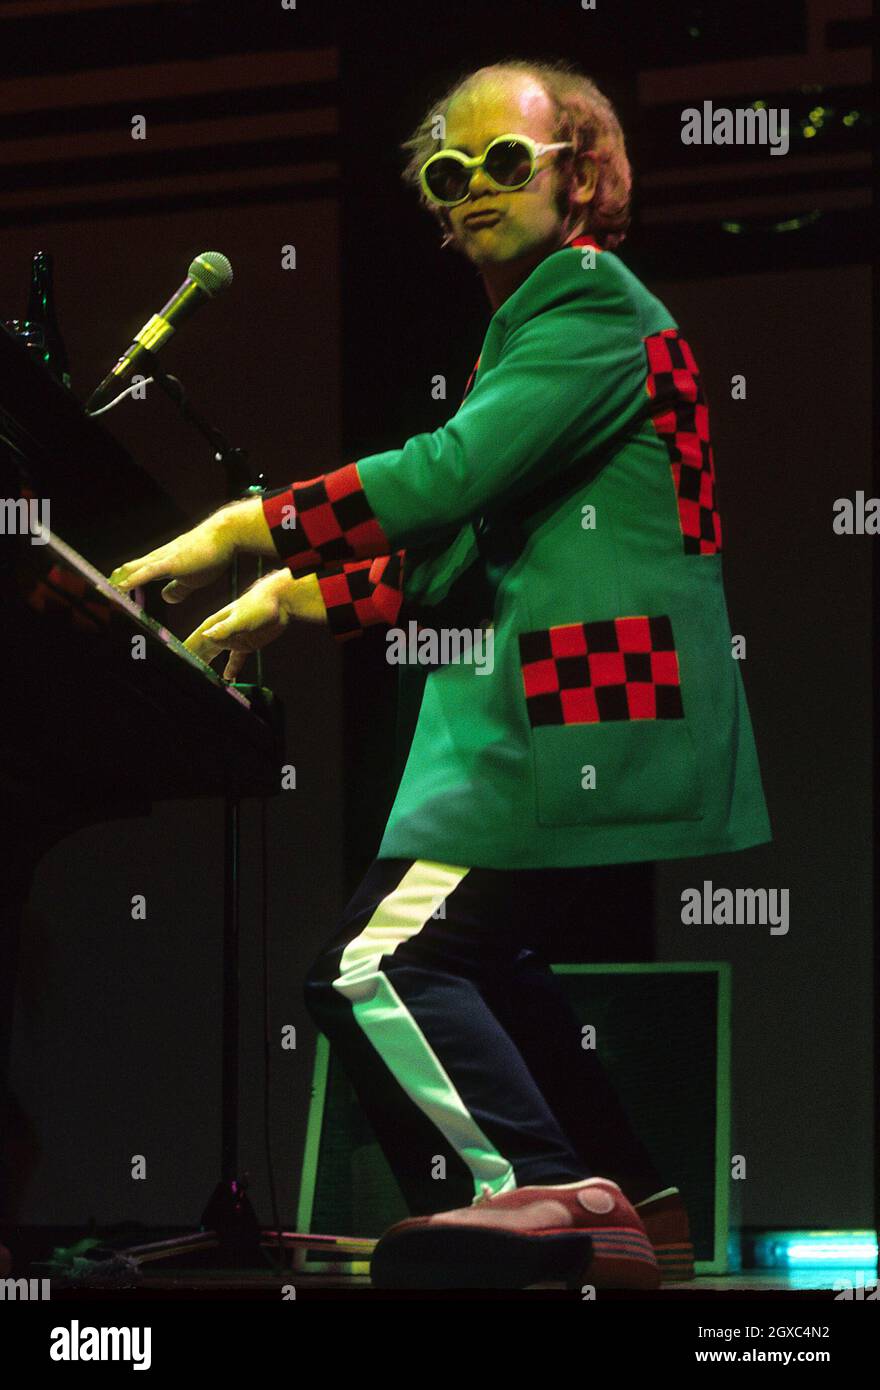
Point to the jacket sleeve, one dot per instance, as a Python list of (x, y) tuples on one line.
[(361, 593), (569, 377)]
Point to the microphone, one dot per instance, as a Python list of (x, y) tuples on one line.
[(209, 273)]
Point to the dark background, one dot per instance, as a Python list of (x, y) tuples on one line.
[(270, 127)]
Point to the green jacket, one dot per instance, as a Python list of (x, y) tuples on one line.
[(570, 502)]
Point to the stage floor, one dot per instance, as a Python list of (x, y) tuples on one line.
[(262, 1283)]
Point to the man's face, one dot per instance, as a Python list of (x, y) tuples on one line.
[(527, 218)]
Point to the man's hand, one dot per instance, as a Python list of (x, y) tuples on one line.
[(200, 556), (259, 616)]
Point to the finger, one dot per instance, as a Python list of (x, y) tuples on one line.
[(121, 572), (180, 589), (204, 647), (234, 665), (141, 573), (123, 575), (177, 591), (213, 620), (119, 577)]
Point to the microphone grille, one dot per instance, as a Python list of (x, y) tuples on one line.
[(212, 271)]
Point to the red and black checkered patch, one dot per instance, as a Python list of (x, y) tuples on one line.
[(387, 579), (588, 673), (681, 417), (323, 520), (361, 593)]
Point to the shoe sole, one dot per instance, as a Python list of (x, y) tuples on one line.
[(676, 1262), (426, 1257), (623, 1258)]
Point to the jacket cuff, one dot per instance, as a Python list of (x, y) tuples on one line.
[(324, 521), (362, 593), (345, 590)]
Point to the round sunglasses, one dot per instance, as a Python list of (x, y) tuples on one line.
[(508, 162)]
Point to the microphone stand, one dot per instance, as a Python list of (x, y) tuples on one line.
[(228, 1219)]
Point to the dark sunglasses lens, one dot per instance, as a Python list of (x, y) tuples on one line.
[(447, 179), (509, 163)]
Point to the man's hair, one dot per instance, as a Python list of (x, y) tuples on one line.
[(583, 115)]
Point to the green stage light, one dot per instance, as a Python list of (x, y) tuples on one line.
[(805, 1249)]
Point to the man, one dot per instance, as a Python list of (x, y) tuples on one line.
[(568, 511)]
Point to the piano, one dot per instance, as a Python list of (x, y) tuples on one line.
[(88, 731)]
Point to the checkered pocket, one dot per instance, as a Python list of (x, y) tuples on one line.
[(611, 741)]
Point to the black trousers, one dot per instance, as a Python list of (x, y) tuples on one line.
[(459, 1040)]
